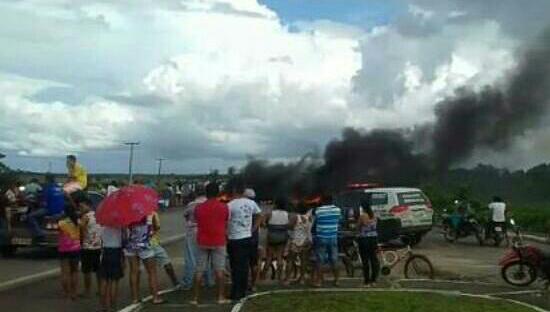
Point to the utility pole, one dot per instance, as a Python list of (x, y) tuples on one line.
[(160, 160), (130, 161)]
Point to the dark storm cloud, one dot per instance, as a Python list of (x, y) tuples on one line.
[(493, 117)]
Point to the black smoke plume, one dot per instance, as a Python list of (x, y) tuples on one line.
[(493, 117), (490, 118)]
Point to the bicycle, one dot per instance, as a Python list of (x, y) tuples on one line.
[(416, 266)]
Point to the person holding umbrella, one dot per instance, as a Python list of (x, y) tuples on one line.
[(138, 249), (130, 207)]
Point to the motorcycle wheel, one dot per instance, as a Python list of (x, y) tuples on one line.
[(498, 240), (419, 267), (479, 237), (519, 273), (450, 235)]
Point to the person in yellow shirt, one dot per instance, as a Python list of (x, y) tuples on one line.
[(77, 173)]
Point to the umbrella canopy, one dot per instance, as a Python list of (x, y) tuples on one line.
[(127, 206)]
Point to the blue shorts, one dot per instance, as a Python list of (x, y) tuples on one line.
[(326, 251)]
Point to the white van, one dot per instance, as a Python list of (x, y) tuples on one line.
[(410, 205)]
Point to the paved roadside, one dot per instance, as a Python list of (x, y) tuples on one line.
[(33, 264), (45, 295)]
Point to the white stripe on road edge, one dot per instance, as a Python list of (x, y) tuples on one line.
[(33, 278), (516, 293), (239, 306), (29, 279), (138, 306)]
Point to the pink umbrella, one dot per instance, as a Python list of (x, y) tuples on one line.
[(127, 206)]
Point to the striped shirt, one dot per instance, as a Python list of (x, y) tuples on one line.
[(327, 219)]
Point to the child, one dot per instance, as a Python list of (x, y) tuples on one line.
[(161, 256), (91, 245), (111, 267), (300, 244), (69, 251)]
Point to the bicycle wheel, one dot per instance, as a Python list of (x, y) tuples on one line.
[(419, 267)]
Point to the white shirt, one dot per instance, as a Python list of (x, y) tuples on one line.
[(499, 212), (111, 189), (241, 215), (111, 237)]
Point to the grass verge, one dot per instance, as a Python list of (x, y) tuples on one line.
[(377, 301)]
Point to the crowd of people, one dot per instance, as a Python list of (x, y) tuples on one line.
[(236, 238)]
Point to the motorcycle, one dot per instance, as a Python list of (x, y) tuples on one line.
[(522, 264), (457, 226), (497, 233)]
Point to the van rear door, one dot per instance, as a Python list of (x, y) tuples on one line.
[(419, 210)]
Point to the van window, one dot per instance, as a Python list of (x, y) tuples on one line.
[(412, 198), (379, 199)]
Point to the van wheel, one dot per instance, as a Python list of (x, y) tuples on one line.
[(8, 251), (411, 240)]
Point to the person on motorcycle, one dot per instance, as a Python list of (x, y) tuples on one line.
[(497, 215), (52, 205)]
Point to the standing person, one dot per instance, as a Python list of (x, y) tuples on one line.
[(244, 216), (497, 211), (326, 220), (77, 173), (212, 218), (33, 188), (190, 247), (161, 256), (277, 236), (112, 187), (53, 202), (301, 242), (138, 250), (91, 246), (111, 266), (255, 251), (69, 251), (368, 244)]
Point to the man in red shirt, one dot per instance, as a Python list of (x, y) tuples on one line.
[(212, 217)]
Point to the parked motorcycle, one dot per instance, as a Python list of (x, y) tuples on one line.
[(522, 264), (457, 226)]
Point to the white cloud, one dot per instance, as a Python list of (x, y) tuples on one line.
[(33, 128), (219, 79)]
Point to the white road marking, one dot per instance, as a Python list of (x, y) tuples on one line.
[(29, 279)]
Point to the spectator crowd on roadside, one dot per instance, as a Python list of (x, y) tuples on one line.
[(291, 244)]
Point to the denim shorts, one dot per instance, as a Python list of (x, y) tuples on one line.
[(161, 256), (141, 253), (326, 251)]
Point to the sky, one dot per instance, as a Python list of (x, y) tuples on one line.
[(207, 84)]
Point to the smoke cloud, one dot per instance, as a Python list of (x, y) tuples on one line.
[(489, 118), (494, 116)]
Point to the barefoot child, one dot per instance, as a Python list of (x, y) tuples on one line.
[(111, 267), (69, 251), (91, 246)]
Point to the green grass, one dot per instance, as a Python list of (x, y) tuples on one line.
[(376, 301), (533, 218)]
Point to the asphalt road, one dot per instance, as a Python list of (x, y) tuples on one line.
[(37, 261), (464, 260)]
